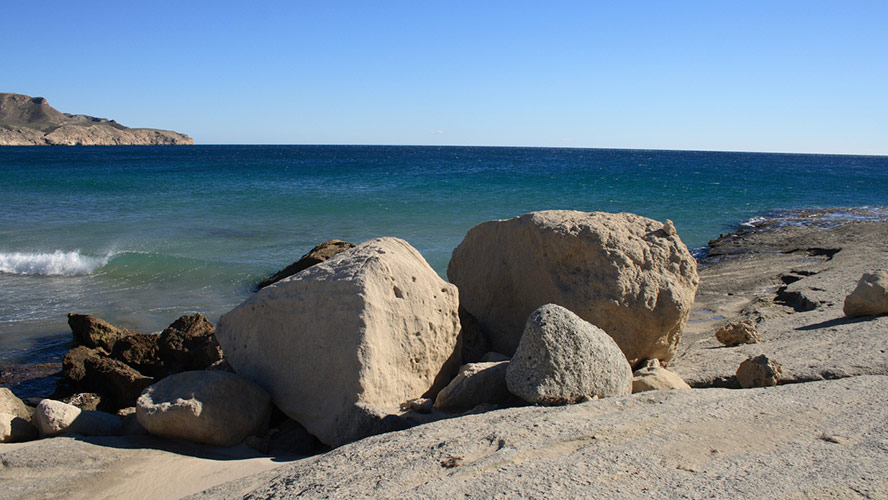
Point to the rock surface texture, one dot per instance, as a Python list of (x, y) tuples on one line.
[(629, 275), (208, 406), (347, 339), (754, 274), (475, 384), (738, 332), (563, 359), (31, 121), (654, 377), (803, 441), (870, 298), (759, 371)]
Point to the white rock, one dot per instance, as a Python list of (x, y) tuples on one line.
[(11, 404), (654, 377), (629, 275), (475, 384), (563, 359), (206, 406), (373, 325), (54, 417), (870, 298)]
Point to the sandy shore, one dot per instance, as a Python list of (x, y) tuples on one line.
[(826, 438)]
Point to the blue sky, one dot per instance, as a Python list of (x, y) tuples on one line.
[(801, 76)]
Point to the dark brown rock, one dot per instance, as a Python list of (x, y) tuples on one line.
[(314, 256), (140, 351), (189, 344), (88, 370), (93, 332)]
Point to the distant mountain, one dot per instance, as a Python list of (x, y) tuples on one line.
[(31, 121)]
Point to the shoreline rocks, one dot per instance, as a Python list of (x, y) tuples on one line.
[(629, 275), (346, 341)]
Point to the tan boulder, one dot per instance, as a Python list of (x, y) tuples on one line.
[(870, 298), (14, 429), (55, 417), (654, 377), (205, 406), (11, 404), (738, 332), (629, 275), (759, 371), (345, 340)]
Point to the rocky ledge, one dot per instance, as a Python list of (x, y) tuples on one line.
[(31, 121)]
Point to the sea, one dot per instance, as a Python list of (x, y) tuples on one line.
[(142, 235)]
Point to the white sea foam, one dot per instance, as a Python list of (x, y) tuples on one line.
[(58, 263)]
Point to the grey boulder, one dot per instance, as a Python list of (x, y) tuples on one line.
[(563, 359), (870, 298)]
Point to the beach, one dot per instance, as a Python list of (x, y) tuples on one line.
[(820, 433)]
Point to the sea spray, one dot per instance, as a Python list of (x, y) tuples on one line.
[(57, 263)]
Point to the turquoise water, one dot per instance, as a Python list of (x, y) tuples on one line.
[(141, 235)]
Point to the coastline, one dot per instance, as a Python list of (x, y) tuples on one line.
[(787, 274)]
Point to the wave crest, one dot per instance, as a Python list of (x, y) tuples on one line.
[(58, 263)]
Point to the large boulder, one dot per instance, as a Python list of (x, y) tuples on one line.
[(563, 359), (316, 255), (189, 344), (870, 298), (629, 275), (94, 332), (475, 384), (209, 406), (372, 327)]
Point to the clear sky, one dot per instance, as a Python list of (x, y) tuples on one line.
[(799, 76)]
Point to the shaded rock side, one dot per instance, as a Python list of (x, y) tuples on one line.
[(14, 429), (563, 359), (629, 275), (373, 325), (208, 406), (31, 121), (870, 297), (475, 384), (316, 255)]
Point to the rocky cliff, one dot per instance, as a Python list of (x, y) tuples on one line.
[(31, 121)]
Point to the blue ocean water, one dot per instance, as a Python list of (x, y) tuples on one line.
[(142, 235)]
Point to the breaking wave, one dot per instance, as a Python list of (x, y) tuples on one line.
[(57, 263)]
